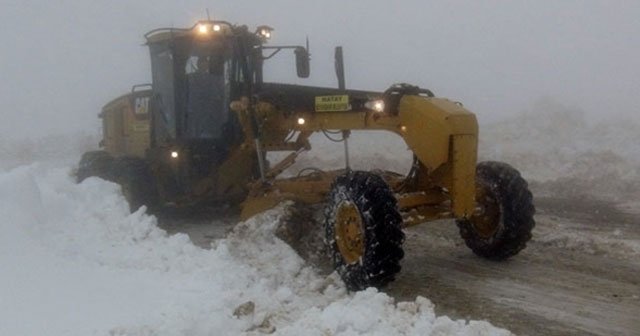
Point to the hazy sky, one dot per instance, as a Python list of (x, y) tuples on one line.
[(62, 60)]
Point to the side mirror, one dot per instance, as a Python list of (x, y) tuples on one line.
[(302, 62)]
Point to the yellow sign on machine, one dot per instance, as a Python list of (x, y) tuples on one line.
[(332, 103)]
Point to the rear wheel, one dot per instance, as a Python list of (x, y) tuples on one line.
[(363, 230), (502, 223), (138, 185), (94, 163)]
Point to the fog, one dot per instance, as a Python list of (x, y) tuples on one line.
[(61, 61), (554, 85)]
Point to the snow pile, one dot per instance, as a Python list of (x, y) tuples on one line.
[(73, 261), (51, 148), (565, 153)]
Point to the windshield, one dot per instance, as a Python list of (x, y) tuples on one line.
[(162, 62), (207, 105), (192, 83)]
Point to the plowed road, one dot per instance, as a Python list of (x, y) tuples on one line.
[(580, 275)]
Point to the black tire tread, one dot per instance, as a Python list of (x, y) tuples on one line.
[(517, 206), (383, 230), (94, 163)]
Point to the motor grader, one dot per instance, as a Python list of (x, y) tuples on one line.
[(199, 134)]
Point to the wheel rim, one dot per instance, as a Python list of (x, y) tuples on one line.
[(486, 217), (349, 233)]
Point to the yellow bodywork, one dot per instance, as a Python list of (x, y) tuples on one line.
[(126, 127), (442, 134)]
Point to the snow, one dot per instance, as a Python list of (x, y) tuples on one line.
[(73, 261), (576, 236), (567, 154), (631, 206)]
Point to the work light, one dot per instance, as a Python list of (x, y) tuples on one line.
[(264, 32)]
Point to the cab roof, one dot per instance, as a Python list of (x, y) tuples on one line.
[(202, 29)]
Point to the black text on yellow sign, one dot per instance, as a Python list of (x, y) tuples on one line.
[(332, 103)]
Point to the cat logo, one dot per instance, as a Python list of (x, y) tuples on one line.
[(142, 105)]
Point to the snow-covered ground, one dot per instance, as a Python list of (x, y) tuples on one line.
[(567, 154), (73, 261)]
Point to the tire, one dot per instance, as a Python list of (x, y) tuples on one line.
[(138, 185), (502, 226), (94, 163), (371, 256)]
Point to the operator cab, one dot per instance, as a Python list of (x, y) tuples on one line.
[(196, 74)]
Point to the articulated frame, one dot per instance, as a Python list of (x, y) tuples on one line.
[(441, 133)]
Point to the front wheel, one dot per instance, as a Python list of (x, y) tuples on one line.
[(502, 223), (363, 230)]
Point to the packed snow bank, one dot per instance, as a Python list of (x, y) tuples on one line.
[(73, 261), (566, 154), (65, 148)]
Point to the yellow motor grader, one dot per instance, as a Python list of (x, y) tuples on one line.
[(199, 134)]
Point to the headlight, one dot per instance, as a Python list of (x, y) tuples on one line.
[(204, 28), (375, 105), (174, 154)]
